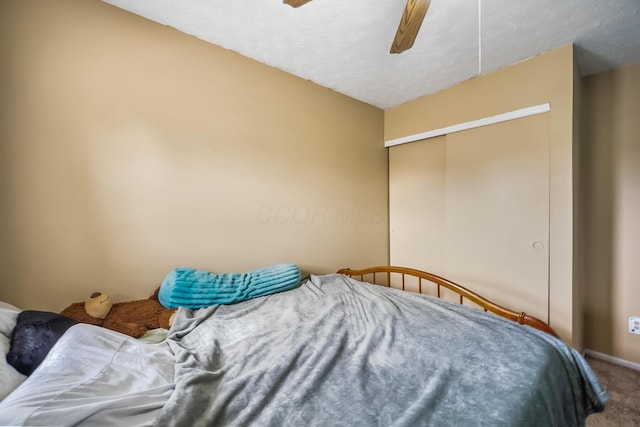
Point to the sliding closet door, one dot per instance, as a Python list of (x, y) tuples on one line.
[(497, 212), (482, 208), (417, 204)]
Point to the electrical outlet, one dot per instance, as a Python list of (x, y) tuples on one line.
[(634, 325)]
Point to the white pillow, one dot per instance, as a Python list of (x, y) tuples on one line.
[(8, 316), (9, 377)]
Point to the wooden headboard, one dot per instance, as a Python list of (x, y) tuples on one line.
[(386, 274)]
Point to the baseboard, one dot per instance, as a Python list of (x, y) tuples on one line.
[(611, 359)]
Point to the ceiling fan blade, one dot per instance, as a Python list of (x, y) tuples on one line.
[(412, 18), (295, 3)]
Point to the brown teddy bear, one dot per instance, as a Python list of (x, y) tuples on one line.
[(132, 318)]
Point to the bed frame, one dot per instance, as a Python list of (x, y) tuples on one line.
[(391, 272)]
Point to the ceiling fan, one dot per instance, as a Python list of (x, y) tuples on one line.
[(412, 17)]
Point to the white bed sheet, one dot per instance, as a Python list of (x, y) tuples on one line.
[(94, 377), (10, 379)]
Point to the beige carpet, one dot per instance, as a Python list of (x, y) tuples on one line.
[(623, 386)]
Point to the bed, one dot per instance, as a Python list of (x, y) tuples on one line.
[(336, 350)]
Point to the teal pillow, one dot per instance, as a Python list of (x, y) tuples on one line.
[(192, 288)]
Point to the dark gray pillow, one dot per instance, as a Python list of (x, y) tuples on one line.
[(32, 338)]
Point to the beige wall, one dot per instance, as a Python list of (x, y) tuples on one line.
[(611, 199), (578, 211), (128, 148), (545, 78)]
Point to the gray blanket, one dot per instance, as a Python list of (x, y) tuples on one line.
[(337, 352)]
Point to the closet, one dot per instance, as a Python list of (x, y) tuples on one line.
[(473, 206)]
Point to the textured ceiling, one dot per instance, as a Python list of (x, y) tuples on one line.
[(344, 45)]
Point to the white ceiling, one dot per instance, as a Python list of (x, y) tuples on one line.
[(344, 44)]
